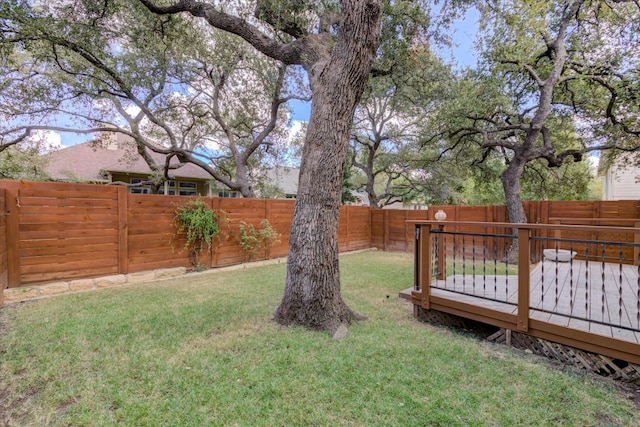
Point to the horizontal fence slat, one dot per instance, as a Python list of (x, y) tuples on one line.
[(50, 249)]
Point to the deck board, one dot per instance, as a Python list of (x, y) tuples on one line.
[(588, 296)]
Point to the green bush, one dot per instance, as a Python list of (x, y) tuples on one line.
[(200, 224), (252, 240)]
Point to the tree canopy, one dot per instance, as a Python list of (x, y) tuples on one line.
[(390, 123), (556, 80), (178, 89)]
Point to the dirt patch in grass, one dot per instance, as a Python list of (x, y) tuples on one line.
[(64, 407), (628, 390), (13, 409), (5, 316)]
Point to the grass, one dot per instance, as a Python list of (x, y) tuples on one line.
[(478, 268), (202, 350)]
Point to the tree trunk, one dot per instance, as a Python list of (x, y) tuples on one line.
[(511, 184), (370, 189), (242, 179), (312, 291)]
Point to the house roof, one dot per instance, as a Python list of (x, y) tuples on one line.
[(285, 178), (89, 161)]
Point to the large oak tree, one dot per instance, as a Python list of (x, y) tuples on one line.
[(336, 46), (390, 124)]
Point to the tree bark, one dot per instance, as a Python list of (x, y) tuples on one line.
[(511, 184), (312, 291), (526, 152), (371, 178)]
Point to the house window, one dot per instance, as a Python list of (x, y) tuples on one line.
[(186, 188), (140, 190), (226, 193), (144, 189), (171, 186)]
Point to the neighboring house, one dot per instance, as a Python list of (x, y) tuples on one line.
[(118, 161), (406, 206), (285, 179), (621, 183)]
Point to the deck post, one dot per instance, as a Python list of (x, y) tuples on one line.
[(423, 265), (524, 277)]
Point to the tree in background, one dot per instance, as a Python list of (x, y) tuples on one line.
[(397, 105), (177, 89), (557, 80), (23, 162)]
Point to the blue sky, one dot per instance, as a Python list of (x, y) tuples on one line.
[(464, 35)]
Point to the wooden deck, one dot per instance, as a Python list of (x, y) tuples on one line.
[(590, 297), (591, 306)]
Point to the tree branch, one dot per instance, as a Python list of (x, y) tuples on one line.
[(288, 53)]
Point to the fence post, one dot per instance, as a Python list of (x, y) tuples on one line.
[(369, 245), (267, 215), (347, 212), (524, 277), (213, 254), (406, 242), (3, 261), (123, 230), (385, 234), (13, 236)]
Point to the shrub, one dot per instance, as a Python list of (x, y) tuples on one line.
[(200, 224), (252, 240)]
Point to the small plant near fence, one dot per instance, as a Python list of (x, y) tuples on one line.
[(253, 240), (200, 225)]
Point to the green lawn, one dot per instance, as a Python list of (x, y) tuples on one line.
[(202, 350), (478, 268)]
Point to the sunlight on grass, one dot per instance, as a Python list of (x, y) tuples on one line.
[(202, 350)]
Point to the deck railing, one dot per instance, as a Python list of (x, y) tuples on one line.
[(574, 284)]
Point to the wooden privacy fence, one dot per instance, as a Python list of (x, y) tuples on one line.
[(53, 231), (56, 231), (390, 229)]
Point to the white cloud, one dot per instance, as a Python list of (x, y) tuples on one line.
[(47, 140), (132, 110), (296, 131)]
